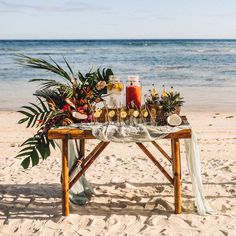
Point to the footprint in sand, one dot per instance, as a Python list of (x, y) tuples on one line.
[(160, 189), (163, 204)]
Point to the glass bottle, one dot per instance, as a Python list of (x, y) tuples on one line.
[(172, 90), (133, 92), (114, 89), (164, 93)]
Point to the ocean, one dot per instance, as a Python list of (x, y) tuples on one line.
[(204, 71)]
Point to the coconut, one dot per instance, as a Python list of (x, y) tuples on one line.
[(174, 120)]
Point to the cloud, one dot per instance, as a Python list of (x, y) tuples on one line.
[(68, 6), (16, 6)]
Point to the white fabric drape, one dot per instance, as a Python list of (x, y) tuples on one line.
[(142, 133), (194, 167), (81, 191)]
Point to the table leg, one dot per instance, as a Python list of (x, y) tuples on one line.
[(177, 170), (172, 155), (90, 159), (65, 179)]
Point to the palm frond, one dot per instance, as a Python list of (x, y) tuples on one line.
[(39, 63), (34, 113), (35, 148), (47, 94), (69, 67), (66, 90), (52, 97)]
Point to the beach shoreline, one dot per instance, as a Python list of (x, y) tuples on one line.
[(131, 195), (202, 70), (197, 99)]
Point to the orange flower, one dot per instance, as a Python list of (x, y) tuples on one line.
[(90, 94), (101, 85)]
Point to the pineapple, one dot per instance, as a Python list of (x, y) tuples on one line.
[(171, 102)]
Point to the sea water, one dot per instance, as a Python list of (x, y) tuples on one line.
[(204, 71)]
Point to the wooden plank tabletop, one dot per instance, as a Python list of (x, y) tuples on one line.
[(75, 133)]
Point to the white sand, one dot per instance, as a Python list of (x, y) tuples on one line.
[(131, 196)]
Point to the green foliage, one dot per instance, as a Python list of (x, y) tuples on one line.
[(38, 145), (35, 148), (41, 64), (52, 97), (34, 113), (90, 80), (172, 101)]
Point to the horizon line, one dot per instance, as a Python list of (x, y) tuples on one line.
[(104, 39)]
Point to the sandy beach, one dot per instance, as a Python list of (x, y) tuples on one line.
[(131, 195)]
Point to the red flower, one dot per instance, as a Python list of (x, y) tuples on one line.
[(86, 89), (40, 122), (65, 108), (80, 110)]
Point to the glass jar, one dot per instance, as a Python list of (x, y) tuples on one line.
[(114, 90), (133, 92)]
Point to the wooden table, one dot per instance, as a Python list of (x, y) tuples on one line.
[(82, 135)]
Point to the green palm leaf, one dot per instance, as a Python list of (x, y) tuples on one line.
[(55, 92), (39, 63), (33, 113), (35, 148)]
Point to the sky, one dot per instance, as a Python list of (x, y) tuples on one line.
[(117, 19)]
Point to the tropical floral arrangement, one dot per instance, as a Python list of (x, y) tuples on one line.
[(58, 103), (72, 98)]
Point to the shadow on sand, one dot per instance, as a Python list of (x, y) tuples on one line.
[(43, 201)]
